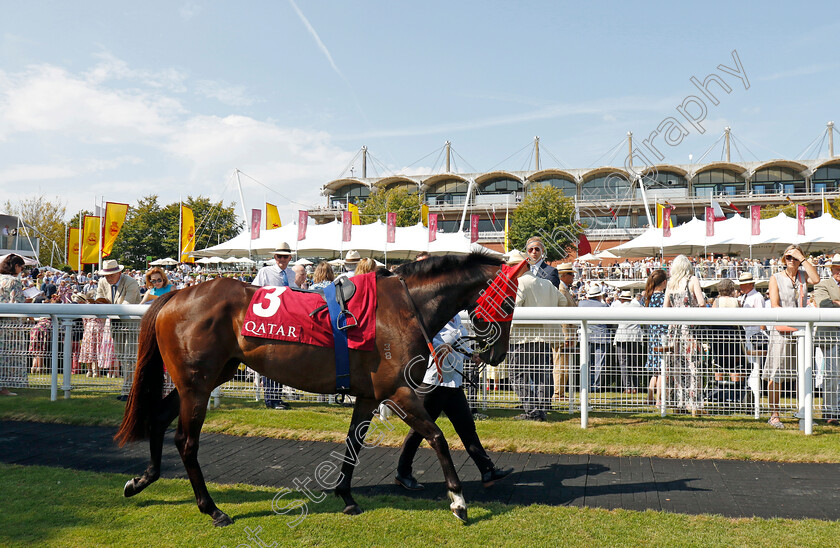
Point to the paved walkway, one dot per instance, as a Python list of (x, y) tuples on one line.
[(730, 488)]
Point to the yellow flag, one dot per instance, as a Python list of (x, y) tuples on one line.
[(114, 218), (424, 214), (73, 249), (272, 217), (827, 207), (660, 210), (187, 234), (507, 247), (354, 211), (90, 239)]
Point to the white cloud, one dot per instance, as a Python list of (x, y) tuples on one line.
[(228, 94), (189, 10)]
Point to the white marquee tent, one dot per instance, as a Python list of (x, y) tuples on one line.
[(325, 241), (734, 236)]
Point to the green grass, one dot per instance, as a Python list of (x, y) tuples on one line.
[(608, 434), (57, 507)]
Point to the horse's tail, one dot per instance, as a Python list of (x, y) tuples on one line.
[(147, 388)]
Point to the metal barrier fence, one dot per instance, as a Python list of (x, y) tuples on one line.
[(696, 361)]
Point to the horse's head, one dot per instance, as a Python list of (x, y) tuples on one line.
[(492, 315)]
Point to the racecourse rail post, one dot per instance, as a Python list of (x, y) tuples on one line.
[(54, 366), (584, 374), (807, 423), (68, 356)]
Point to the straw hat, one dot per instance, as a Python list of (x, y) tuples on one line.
[(747, 277), (564, 268), (352, 257), (595, 290), (515, 257), (626, 295), (110, 266), (282, 249), (835, 261)]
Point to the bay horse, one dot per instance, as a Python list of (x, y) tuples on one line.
[(196, 334)]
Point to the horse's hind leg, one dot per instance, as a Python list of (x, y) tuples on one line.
[(168, 410), (193, 411), (362, 413)]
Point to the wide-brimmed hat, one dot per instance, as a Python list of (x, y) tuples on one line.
[(110, 266), (835, 261), (282, 249), (626, 295), (563, 268), (747, 278), (352, 257), (516, 257), (595, 290), (79, 298)]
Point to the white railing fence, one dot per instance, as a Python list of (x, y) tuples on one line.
[(700, 361)]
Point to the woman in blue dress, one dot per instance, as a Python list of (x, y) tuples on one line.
[(654, 297)]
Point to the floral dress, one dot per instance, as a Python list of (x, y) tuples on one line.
[(683, 364), (656, 336), (12, 367)]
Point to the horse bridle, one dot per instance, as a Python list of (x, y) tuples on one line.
[(423, 329)]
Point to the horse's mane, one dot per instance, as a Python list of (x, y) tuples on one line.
[(435, 266)]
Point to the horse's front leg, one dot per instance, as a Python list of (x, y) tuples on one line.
[(359, 424), (416, 417)]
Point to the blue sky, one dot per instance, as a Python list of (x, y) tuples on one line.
[(123, 100)]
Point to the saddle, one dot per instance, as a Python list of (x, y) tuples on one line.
[(344, 291)]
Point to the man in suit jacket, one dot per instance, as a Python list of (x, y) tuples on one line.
[(529, 359), (536, 258), (116, 287), (827, 295)]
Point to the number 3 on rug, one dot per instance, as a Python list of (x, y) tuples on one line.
[(273, 297)]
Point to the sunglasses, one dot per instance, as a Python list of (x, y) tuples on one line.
[(534, 249), (156, 280), (790, 258)]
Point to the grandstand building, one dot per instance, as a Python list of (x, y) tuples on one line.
[(611, 200)]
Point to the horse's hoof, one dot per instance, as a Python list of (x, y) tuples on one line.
[(460, 513), (222, 520), (130, 488), (352, 510)]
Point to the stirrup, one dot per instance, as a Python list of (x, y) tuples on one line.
[(343, 315)]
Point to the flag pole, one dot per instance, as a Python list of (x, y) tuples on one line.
[(81, 227), (180, 225), (101, 229)]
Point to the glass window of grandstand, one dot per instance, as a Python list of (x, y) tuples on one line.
[(352, 193), (499, 190), (773, 180), (451, 226), (715, 182), (664, 179), (602, 222), (568, 188), (451, 192), (827, 178), (612, 186)]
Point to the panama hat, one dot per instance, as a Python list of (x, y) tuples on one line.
[(516, 257), (595, 290), (564, 268), (747, 278), (835, 261), (352, 257), (109, 267), (282, 249), (626, 295)]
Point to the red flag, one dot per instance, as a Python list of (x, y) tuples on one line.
[(493, 214), (584, 246), (256, 218), (800, 217), (755, 217), (432, 227), (303, 217), (710, 221), (347, 225), (391, 224), (474, 228), (666, 222)]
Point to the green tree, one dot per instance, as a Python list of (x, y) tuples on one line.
[(151, 229), (395, 200), (46, 217), (545, 212), (768, 212)]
